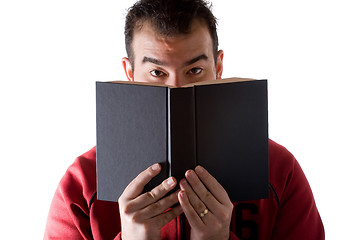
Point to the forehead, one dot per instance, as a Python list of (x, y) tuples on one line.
[(148, 41)]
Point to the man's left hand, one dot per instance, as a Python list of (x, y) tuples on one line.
[(206, 205)]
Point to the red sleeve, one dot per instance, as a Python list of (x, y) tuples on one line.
[(298, 217), (233, 236), (68, 217)]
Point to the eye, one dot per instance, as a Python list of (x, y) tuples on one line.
[(157, 73), (195, 70)]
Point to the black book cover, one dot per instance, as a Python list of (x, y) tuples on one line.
[(221, 125)]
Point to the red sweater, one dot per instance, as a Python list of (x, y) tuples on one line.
[(289, 212)]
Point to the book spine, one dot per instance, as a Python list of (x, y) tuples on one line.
[(194, 110), (169, 130), (182, 154)]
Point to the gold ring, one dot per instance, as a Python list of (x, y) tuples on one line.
[(206, 211)]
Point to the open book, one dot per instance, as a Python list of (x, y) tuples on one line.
[(221, 125)]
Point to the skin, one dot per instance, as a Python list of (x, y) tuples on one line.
[(174, 61)]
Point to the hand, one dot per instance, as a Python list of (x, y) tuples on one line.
[(201, 191), (142, 216)]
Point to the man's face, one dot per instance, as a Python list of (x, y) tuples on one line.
[(174, 61)]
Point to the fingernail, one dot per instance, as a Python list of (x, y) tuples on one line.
[(199, 169), (155, 167), (170, 181), (182, 194), (191, 174)]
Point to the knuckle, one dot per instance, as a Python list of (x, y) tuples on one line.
[(224, 215), (136, 217), (155, 193), (156, 206), (208, 194), (162, 185), (229, 211), (126, 209), (199, 206), (149, 173), (151, 195), (217, 226), (231, 206)]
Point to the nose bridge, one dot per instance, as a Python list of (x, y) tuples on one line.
[(176, 79)]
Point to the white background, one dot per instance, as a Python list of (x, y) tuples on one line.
[(52, 52)]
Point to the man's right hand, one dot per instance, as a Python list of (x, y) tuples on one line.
[(143, 215)]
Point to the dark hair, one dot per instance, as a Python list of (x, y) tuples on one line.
[(169, 18)]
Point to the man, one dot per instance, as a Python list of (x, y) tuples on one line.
[(175, 42)]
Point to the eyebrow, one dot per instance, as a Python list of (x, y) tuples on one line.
[(194, 60), (161, 63), (154, 60)]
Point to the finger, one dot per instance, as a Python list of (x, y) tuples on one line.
[(159, 207), (136, 186), (213, 185), (167, 216), (192, 216), (194, 200), (153, 196), (201, 191)]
